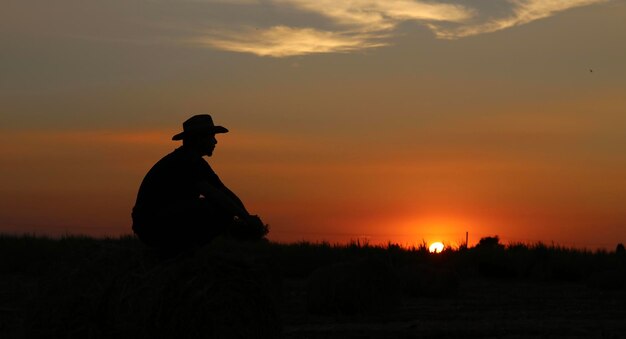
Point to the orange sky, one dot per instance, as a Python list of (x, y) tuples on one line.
[(420, 123)]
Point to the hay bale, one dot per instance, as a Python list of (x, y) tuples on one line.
[(365, 286), (200, 296)]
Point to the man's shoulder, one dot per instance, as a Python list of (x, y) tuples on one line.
[(181, 156), (173, 161)]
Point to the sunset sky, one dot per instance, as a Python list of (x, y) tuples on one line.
[(388, 120)]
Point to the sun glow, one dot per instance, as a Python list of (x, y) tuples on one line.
[(436, 247)]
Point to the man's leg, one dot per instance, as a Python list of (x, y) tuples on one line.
[(206, 222)]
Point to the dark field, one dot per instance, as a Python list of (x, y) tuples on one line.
[(115, 288), (483, 309)]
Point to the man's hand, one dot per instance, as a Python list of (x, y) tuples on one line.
[(249, 227)]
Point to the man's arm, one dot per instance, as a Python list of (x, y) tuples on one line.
[(250, 226), (235, 198), (226, 200)]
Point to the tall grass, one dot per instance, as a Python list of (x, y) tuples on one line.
[(99, 288)]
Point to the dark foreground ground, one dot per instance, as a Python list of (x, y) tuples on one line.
[(483, 309), (116, 288)]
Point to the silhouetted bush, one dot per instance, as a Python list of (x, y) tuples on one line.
[(489, 243), (491, 260)]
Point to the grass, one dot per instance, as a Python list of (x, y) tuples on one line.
[(80, 287)]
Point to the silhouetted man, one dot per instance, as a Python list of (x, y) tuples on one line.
[(182, 203)]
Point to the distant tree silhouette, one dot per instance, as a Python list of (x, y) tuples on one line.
[(491, 258), (490, 242), (620, 249)]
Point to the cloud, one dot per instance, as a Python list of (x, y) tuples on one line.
[(524, 11), (368, 15), (356, 25), (345, 26), (283, 41)]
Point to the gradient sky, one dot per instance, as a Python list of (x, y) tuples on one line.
[(399, 120)]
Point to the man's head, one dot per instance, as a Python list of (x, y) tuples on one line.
[(199, 133)]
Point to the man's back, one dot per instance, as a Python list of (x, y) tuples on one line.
[(170, 211), (173, 180)]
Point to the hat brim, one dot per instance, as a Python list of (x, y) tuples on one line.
[(214, 130)]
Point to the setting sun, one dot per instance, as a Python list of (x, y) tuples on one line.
[(436, 247)]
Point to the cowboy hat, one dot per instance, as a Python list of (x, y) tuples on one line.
[(199, 124)]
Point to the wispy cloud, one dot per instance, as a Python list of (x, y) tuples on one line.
[(354, 25), (282, 41), (344, 26), (524, 11), (368, 15)]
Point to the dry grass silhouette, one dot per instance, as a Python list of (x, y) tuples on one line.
[(78, 287)]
